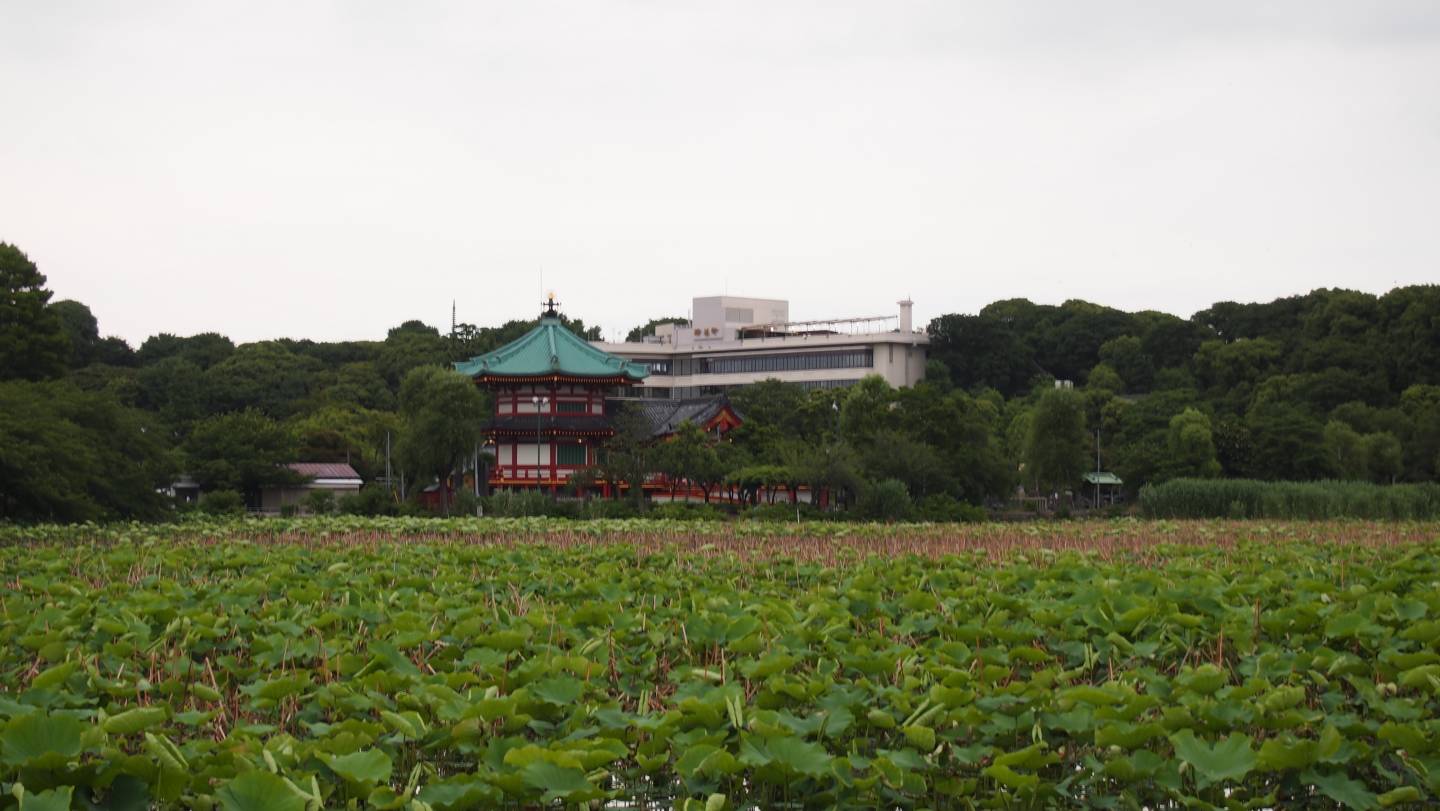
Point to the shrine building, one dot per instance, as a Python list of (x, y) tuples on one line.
[(549, 389)]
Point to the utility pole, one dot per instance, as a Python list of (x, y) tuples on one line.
[(1097, 468)]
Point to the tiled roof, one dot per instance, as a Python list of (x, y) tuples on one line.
[(324, 470), (551, 349), (666, 416)]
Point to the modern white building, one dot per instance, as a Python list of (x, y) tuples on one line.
[(733, 341)]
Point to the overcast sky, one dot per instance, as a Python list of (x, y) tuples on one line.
[(327, 170)]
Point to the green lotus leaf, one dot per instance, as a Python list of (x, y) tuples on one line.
[(457, 792), (1128, 736), (1399, 796), (366, 767), (42, 741), (1350, 793), (1230, 759), (558, 782), (920, 737), (258, 790), (798, 756), (55, 799), (135, 720), (53, 676), (1009, 778), (1205, 679), (1287, 752), (560, 690)]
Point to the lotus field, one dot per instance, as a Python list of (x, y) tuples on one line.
[(449, 664)]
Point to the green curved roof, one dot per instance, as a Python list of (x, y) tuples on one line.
[(548, 350)]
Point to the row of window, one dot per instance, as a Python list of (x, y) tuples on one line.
[(568, 454), (683, 392), (792, 362)]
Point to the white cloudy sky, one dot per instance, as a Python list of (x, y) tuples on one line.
[(330, 169)]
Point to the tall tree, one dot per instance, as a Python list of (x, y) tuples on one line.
[(443, 415), (72, 455), (1192, 446), (242, 451), (33, 345), (1056, 448), (81, 331)]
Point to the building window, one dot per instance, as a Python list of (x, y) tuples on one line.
[(569, 407), (739, 315), (570, 455), (792, 362)]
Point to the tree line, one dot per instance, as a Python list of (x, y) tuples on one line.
[(1330, 384)]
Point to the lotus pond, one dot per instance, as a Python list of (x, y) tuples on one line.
[(427, 664)]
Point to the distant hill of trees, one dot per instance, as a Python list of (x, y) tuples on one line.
[(1333, 383)]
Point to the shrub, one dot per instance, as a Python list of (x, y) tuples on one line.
[(373, 500), (1248, 498), (885, 501), (783, 512), (289, 510), (222, 502), (685, 512), (465, 503), (510, 504), (942, 507), (611, 508), (320, 502)]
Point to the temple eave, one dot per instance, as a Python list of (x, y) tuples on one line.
[(617, 380)]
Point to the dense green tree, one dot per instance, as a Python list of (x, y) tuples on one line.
[(1126, 355), (33, 345), (358, 384), (625, 456), (886, 500), (1384, 458), (241, 451), (866, 411), (345, 433), (1288, 443), (1421, 405), (831, 467), (894, 455), (983, 351), (408, 346), (173, 388), (1412, 335), (1344, 451), (1168, 341), (203, 350), (264, 376), (688, 458), (81, 332), (1070, 345), (1191, 446), (1104, 378), (119, 382), (1230, 372), (1056, 445), (443, 415), (73, 455)]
